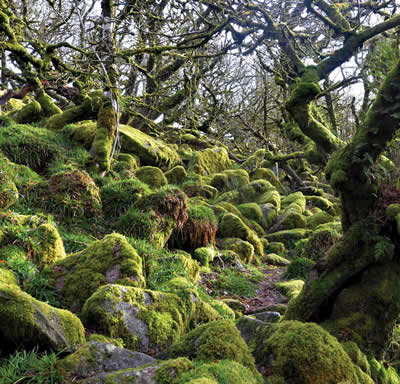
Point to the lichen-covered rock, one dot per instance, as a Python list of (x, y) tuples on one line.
[(32, 323), (230, 179), (146, 320), (214, 341), (242, 248), (110, 260), (209, 161), (95, 357), (233, 226), (152, 176), (295, 352), (151, 151), (176, 175), (71, 194)]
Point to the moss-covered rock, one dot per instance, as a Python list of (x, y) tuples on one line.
[(204, 255), (110, 260), (321, 203), (50, 247), (242, 248), (151, 151), (295, 352), (32, 323), (296, 201), (274, 247), (288, 235), (269, 175), (68, 194), (230, 179), (254, 161), (318, 218), (320, 241), (274, 259), (209, 161), (214, 341), (152, 176), (176, 175), (253, 211), (233, 226), (145, 320), (299, 268), (125, 162), (29, 113)]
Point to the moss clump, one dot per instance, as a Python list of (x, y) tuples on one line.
[(125, 163), (303, 353), (204, 255), (321, 203), (171, 370), (214, 341), (68, 194), (209, 161), (319, 243), (29, 113), (233, 226), (254, 161), (288, 235), (253, 211), (118, 196), (152, 176), (274, 247), (110, 260), (296, 201), (318, 218), (50, 247), (176, 175), (32, 323), (242, 248)]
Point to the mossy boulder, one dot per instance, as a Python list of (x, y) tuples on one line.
[(209, 161), (295, 352), (321, 203), (152, 176), (151, 151), (233, 226), (253, 211), (110, 260), (274, 247), (216, 340), (50, 247), (176, 175), (270, 197), (254, 161), (242, 248), (299, 268), (291, 219), (145, 320), (296, 201), (274, 259), (288, 235), (320, 241), (230, 179), (29, 113), (32, 323), (269, 175), (204, 255), (97, 357), (68, 194), (319, 217), (125, 163)]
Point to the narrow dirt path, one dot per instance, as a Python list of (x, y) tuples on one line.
[(267, 294)]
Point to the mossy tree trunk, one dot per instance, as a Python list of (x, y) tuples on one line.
[(355, 290)]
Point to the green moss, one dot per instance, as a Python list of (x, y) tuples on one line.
[(111, 259), (82, 131), (176, 175), (29, 113), (50, 247), (170, 370), (296, 201), (151, 151), (214, 341), (8, 191), (209, 161), (319, 243), (88, 109), (233, 226), (299, 268), (254, 161), (253, 211), (47, 104), (322, 203), (269, 175), (274, 247), (303, 353), (152, 176), (392, 211), (7, 276), (290, 288), (204, 255), (271, 197), (230, 179), (318, 218), (288, 235)]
